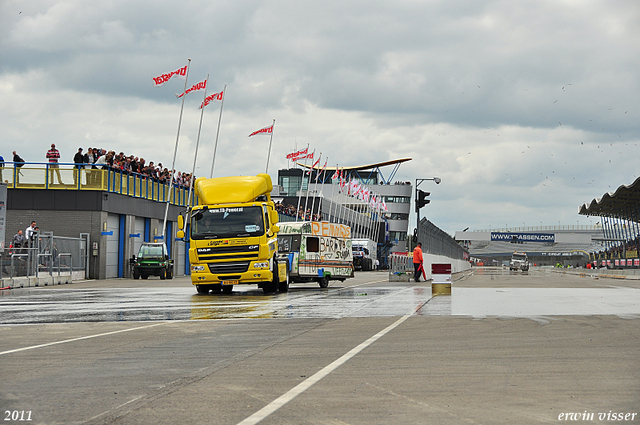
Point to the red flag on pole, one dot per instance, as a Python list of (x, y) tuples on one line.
[(163, 78), (209, 99), (295, 155), (266, 130), (314, 164), (198, 86)]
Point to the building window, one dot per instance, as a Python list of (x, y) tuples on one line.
[(396, 216), (400, 236), (397, 199)]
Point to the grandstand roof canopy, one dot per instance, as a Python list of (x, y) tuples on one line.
[(623, 203), (362, 167)]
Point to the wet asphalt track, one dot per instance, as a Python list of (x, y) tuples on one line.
[(503, 348)]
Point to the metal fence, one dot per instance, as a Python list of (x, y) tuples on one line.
[(46, 255), (400, 267), (437, 242)]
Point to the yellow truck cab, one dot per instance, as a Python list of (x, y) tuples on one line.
[(233, 235)]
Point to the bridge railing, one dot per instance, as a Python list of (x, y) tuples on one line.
[(68, 176)]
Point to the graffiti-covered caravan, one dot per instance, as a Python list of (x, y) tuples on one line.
[(318, 251)]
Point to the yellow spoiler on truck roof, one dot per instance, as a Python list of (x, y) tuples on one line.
[(232, 190)]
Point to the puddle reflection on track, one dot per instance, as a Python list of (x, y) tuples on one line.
[(109, 305)]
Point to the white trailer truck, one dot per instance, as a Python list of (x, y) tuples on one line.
[(365, 253)]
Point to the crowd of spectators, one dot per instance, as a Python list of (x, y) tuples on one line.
[(131, 164), (618, 251), (298, 213), (98, 158)]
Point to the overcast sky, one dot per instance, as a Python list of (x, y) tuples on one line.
[(525, 109)]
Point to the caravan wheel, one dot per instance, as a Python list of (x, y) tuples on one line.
[(323, 281)]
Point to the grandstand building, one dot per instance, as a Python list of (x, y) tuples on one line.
[(320, 194), (544, 246)]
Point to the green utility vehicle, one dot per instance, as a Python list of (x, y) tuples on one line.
[(152, 260)]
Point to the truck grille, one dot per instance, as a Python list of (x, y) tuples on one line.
[(221, 268), (229, 252)]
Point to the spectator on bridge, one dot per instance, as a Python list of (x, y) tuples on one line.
[(78, 159), (17, 163), (53, 155)]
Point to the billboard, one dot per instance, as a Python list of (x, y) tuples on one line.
[(523, 237)]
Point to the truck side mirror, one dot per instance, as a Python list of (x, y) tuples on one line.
[(180, 234), (180, 222)]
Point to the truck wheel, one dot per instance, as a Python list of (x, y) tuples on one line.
[(202, 289), (136, 274), (269, 287), (170, 274), (163, 274), (284, 286)]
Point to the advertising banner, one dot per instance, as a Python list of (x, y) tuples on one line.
[(523, 237)]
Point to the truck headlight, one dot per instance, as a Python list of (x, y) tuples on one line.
[(197, 268), (260, 265)]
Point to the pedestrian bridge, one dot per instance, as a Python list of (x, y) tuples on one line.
[(69, 177)]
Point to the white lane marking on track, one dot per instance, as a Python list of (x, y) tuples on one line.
[(307, 383), (77, 339)]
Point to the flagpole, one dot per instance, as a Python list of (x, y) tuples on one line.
[(306, 199), (215, 147), (332, 191), (270, 140), (175, 152), (302, 181), (313, 201), (195, 155), (344, 198)]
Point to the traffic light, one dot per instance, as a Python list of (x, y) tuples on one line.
[(421, 199)]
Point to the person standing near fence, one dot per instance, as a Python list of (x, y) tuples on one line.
[(18, 240), (78, 159), (17, 163), (30, 231), (53, 156), (417, 262)]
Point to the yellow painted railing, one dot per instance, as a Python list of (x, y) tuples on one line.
[(70, 177)]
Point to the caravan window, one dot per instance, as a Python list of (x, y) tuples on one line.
[(313, 244), (288, 243)]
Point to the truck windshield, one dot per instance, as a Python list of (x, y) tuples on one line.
[(519, 257), (150, 251), (217, 223)]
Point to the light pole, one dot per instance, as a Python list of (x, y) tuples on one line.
[(421, 201)]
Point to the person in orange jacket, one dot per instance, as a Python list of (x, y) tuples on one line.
[(417, 262)]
